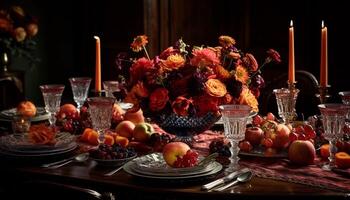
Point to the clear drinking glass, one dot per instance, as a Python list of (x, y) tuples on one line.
[(286, 100), (52, 97), (333, 118), (235, 119), (100, 110), (80, 88), (345, 97), (112, 89)]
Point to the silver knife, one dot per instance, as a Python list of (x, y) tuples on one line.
[(224, 179)]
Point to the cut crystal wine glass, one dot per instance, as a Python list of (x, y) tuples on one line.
[(333, 118), (52, 97), (234, 118), (80, 88), (345, 97), (286, 100), (100, 110)]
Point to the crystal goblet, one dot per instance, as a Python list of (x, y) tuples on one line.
[(52, 97), (333, 118), (345, 97), (100, 110), (112, 89), (286, 100), (234, 118), (80, 87)]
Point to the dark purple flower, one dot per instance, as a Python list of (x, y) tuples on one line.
[(274, 55)]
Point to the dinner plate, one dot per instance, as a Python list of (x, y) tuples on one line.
[(113, 162), (41, 114), (21, 143), (39, 154), (129, 167), (154, 165)]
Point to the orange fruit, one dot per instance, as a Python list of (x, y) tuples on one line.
[(123, 141), (324, 151), (342, 160), (109, 140)]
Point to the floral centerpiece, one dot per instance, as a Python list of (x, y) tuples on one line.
[(17, 30), (192, 81)]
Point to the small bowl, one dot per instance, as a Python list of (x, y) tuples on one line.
[(113, 162)]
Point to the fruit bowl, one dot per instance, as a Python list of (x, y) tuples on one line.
[(113, 162), (185, 127)]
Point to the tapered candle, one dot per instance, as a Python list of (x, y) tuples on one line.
[(98, 65), (291, 64), (324, 57)]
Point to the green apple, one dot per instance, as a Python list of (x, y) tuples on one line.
[(143, 131)]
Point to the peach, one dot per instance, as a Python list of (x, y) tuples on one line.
[(125, 129), (342, 160), (282, 136), (109, 140), (142, 132), (26, 108), (302, 152), (324, 151), (134, 115), (254, 135), (173, 150), (123, 141)]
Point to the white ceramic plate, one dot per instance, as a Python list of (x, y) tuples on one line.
[(41, 114), (130, 166)]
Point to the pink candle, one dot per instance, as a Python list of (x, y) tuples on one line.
[(291, 64), (324, 57), (98, 65)]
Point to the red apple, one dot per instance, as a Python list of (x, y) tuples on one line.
[(142, 132), (173, 150), (134, 115), (245, 146), (254, 135), (26, 108), (67, 111), (302, 152), (125, 129), (282, 137)]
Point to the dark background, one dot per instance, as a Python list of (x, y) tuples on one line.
[(66, 29)]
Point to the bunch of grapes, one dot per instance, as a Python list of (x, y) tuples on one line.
[(218, 146), (190, 159), (303, 132), (116, 151), (158, 141)]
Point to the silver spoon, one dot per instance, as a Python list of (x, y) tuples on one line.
[(79, 158), (242, 178)]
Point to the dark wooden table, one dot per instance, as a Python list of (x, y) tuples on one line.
[(125, 186)]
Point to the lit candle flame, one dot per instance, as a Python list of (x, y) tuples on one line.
[(291, 23), (322, 24)]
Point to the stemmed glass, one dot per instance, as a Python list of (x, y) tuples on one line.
[(52, 97), (286, 100), (80, 87), (345, 97), (100, 110), (235, 118), (333, 118), (111, 88)]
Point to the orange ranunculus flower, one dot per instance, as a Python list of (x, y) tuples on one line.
[(20, 34), (139, 69), (247, 98), (138, 43), (215, 88), (226, 41), (158, 99), (241, 74), (168, 52), (250, 62), (204, 57), (205, 103), (181, 105), (221, 72), (173, 62)]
